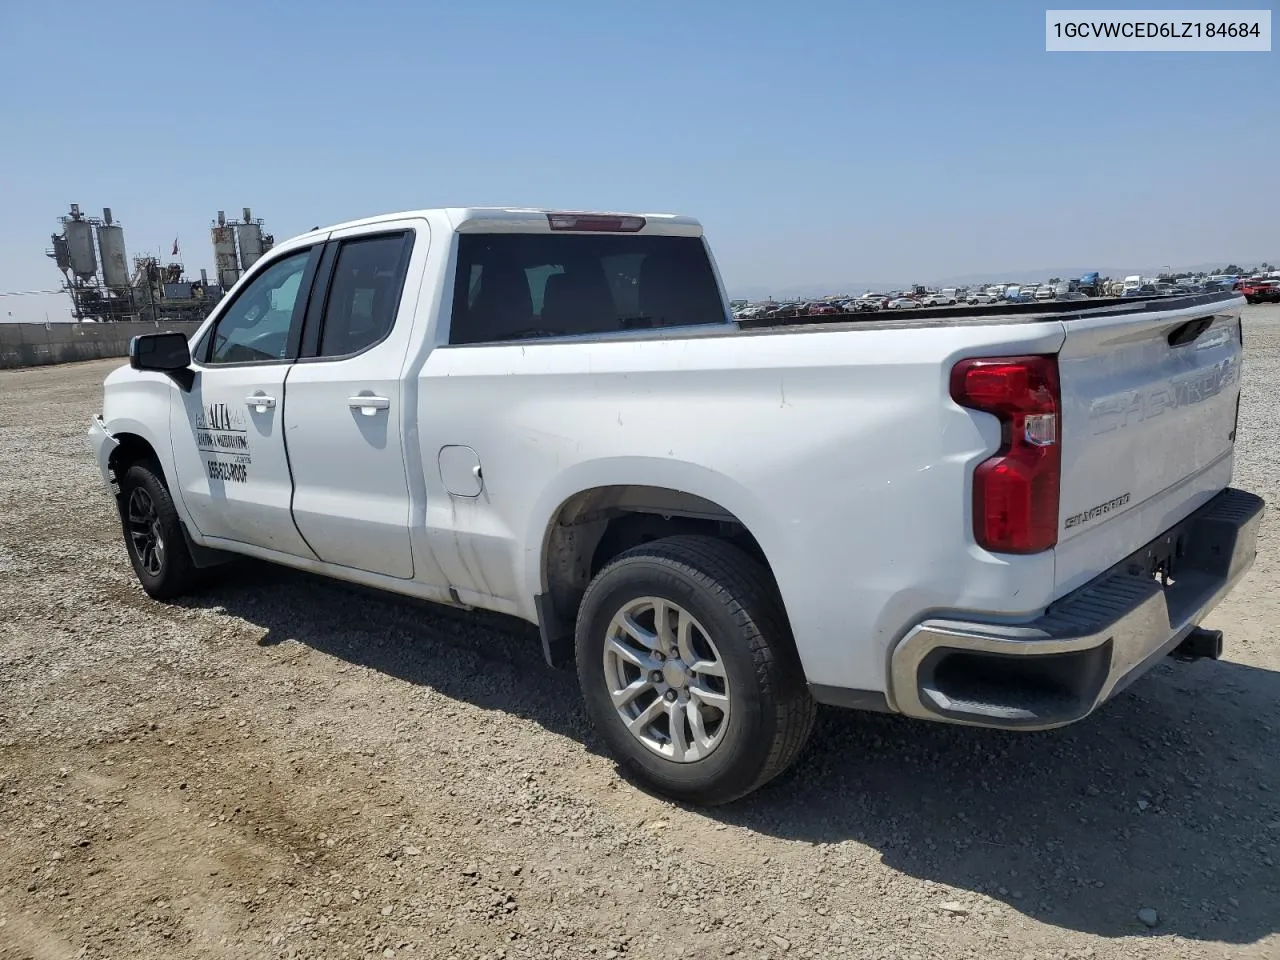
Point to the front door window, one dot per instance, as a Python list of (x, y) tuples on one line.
[(256, 327)]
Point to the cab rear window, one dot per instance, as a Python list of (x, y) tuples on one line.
[(516, 286)]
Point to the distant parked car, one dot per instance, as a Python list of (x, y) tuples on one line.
[(1262, 291), (981, 297), (903, 303), (937, 300), (858, 306)]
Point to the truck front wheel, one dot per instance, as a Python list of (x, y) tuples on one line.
[(153, 534), (688, 670)]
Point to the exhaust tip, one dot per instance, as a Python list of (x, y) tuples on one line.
[(1200, 644)]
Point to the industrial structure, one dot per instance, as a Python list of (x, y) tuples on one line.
[(91, 255), (228, 261)]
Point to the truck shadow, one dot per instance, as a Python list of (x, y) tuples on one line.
[(1168, 798)]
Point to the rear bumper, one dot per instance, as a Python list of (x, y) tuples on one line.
[(1087, 646)]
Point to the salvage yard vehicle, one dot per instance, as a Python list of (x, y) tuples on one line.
[(995, 516), (1261, 291)]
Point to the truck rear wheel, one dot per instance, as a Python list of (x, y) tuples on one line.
[(153, 534), (688, 669)]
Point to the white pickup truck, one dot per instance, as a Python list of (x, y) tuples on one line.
[(997, 516)]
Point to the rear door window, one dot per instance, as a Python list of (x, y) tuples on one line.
[(519, 286), (364, 293)]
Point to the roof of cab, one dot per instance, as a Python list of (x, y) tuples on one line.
[(520, 220)]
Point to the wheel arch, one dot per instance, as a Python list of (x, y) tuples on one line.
[(133, 448), (136, 440), (596, 513)]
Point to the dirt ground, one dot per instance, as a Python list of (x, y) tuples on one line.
[(286, 767)]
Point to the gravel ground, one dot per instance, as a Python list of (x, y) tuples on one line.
[(286, 767)]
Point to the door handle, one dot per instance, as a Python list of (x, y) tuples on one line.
[(368, 405), (260, 402)]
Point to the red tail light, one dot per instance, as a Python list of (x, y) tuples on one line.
[(1015, 492)]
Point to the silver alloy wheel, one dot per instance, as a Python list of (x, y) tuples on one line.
[(666, 679)]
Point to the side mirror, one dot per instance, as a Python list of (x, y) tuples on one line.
[(163, 352), (167, 353)]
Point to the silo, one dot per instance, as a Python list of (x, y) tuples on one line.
[(115, 265), (79, 234), (249, 235), (224, 252)]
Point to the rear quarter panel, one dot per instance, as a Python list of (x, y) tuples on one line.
[(839, 449)]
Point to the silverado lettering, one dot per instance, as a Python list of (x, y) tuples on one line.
[(1094, 512)]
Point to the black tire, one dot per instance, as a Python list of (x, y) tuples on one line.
[(735, 600), (169, 571)]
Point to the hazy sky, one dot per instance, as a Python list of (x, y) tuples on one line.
[(817, 141)]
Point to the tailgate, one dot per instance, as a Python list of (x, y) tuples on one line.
[(1149, 404)]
